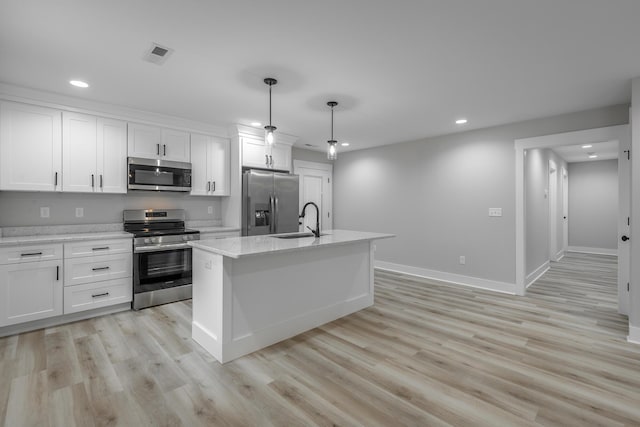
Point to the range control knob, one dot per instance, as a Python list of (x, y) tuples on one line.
[(155, 239), (147, 240), (185, 238)]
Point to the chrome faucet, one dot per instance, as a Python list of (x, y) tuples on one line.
[(315, 232)]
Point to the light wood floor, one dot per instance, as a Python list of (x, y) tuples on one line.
[(427, 354)]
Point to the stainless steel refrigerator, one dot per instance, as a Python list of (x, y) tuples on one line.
[(269, 202)]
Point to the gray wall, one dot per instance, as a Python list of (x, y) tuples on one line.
[(593, 204), (434, 194), (23, 208), (537, 221)]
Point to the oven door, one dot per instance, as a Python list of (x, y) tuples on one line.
[(159, 175), (161, 269)]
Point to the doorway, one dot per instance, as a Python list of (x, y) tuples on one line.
[(316, 180), (553, 212), (598, 135)]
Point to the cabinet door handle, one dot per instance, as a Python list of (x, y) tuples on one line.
[(55, 183), (93, 181), (271, 160), (100, 180), (266, 159), (208, 185), (31, 254), (100, 268), (104, 294), (103, 248), (214, 187), (158, 149), (57, 273), (165, 149)]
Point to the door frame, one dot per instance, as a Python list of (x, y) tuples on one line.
[(565, 209), (619, 133), (324, 167), (553, 211)]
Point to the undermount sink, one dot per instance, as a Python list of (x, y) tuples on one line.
[(296, 235)]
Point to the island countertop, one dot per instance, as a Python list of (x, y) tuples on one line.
[(238, 247)]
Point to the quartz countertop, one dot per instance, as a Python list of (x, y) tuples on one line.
[(216, 229), (238, 247), (63, 238)]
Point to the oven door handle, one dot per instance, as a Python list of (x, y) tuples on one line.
[(158, 248)]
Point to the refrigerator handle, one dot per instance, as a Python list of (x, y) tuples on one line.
[(248, 215), (272, 225), (275, 213)]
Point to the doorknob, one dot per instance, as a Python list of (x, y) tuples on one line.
[(625, 238), (564, 217)]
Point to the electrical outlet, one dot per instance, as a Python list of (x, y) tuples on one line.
[(463, 260), (210, 210), (44, 212), (79, 212), (495, 211)]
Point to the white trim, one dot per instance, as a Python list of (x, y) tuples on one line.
[(568, 138), (634, 334), (65, 318), (81, 105), (559, 255), (327, 167), (588, 250), (458, 279), (537, 273)]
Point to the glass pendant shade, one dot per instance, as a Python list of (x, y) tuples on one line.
[(269, 137), (332, 152)]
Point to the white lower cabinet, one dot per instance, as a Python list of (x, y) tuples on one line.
[(96, 294), (98, 273), (30, 290)]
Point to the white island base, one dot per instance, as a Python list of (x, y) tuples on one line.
[(251, 292)]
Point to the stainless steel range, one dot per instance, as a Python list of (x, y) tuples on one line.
[(161, 256)]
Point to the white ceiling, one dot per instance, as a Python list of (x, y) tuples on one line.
[(576, 153), (401, 70)]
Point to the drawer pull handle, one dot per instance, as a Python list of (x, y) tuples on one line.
[(104, 294), (104, 248), (31, 254), (100, 268)]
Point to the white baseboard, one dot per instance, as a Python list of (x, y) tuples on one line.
[(596, 251), (634, 334), (559, 255), (537, 273), (458, 279)]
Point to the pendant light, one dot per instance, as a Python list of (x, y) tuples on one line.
[(332, 152), (268, 135)]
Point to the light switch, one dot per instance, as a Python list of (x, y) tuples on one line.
[(79, 212), (495, 211), (209, 210), (44, 212)]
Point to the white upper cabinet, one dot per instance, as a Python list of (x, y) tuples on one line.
[(256, 154), (30, 147), (152, 142), (210, 166), (112, 156), (94, 154)]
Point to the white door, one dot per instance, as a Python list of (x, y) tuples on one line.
[(112, 156), (175, 145), (624, 229), (315, 186), (565, 210), (553, 211), (30, 148), (254, 153), (144, 141), (280, 157), (79, 145)]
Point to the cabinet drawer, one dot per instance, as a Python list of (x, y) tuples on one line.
[(96, 268), (97, 247), (30, 253), (95, 295)]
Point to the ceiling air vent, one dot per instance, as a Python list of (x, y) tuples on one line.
[(157, 54)]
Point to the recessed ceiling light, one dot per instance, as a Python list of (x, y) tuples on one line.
[(256, 124), (79, 83), (345, 144), (461, 121), (593, 156), (587, 146)]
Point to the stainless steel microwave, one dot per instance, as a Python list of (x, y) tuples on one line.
[(158, 175)]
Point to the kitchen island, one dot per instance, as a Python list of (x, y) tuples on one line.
[(251, 292)]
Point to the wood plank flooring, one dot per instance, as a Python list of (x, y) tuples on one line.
[(426, 354)]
